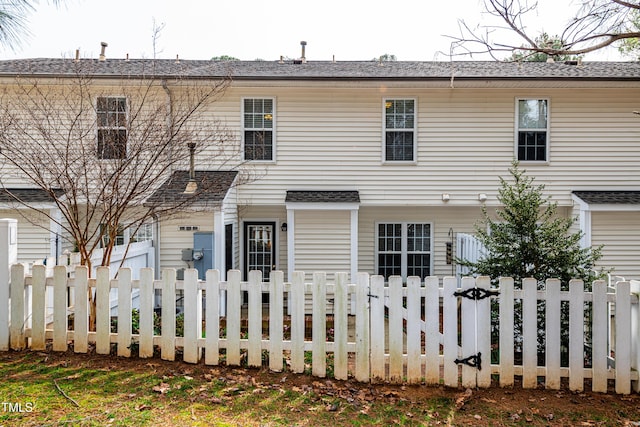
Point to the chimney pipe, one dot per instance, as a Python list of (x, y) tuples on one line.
[(102, 55), (77, 55), (192, 185), (303, 44)]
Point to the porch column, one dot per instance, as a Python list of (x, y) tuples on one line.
[(354, 244), (291, 242), (219, 259)]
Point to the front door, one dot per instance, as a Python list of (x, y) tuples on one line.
[(259, 246)]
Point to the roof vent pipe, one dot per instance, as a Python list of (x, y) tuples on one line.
[(77, 55), (304, 45), (102, 55)]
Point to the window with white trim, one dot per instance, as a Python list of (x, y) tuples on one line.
[(532, 131), (111, 114), (258, 138), (399, 130), (404, 249)]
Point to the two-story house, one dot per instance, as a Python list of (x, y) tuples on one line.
[(375, 167)]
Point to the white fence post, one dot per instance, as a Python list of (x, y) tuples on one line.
[(17, 308), (414, 343), (124, 312), (450, 331), (363, 336), (576, 335), (396, 333), (507, 336), (103, 311), (529, 333), (254, 350), (146, 332), (552, 334), (623, 338), (376, 303), (168, 340), (233, 318), (8, 257), (192, 317), (60, 319), (483, 310), (319, 333), (212, 340), (635, 332), (276, 321), (340, 327), (38, 308), (432, 330), (81, 311)]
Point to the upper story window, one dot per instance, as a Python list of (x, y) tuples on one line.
[(532, 131), (111, 115), (399, 130), (258, 129)]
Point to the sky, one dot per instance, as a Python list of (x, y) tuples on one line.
[(259, 29)]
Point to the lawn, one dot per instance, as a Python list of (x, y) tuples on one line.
[(42, 388)]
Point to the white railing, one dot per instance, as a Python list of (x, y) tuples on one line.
[(400, 343)]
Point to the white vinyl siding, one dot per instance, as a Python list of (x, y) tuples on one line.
[(34, 239), (173, 240), (619, 232), (322, 242), (465, 141)]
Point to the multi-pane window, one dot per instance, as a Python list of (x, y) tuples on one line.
[(399, 129), (258, 129), (533, 130), (111, 113), (404, 249)]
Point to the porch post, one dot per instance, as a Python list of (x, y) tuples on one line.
[(8, 256), (354, 244), (291, 242), (219, 259)]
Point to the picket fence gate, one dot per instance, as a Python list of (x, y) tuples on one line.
[(425, 331)]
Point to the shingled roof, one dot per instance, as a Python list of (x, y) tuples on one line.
[(27, 195), (213, 187), (322, 70), (295, 196), (609, 197)]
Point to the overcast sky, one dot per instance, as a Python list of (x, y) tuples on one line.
[(259, 29)]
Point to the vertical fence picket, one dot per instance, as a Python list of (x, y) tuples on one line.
[(192, 317), (414, 331), (529, 333), (363, 336), (168, 315), (506, 331), (432, 331), (103, 311), (60, 308), (450, 331), (146, 333), (623, 338), (81, 310), (469, 333), (254, 350), (483, 346), (124, 312), (319, 333), (212, 320), (376, 302), (276, 321), (16, 328), (635, 333), (340, 328), (552, 334), (576, 335), (396, 332), (233, 318), (38, 307), (297, 322)]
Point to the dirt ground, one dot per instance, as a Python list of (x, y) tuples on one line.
[(489, 407)]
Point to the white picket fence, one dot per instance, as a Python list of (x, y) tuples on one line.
[(418, 332)]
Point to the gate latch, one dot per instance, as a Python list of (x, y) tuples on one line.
[(475, 361), (476, 293)]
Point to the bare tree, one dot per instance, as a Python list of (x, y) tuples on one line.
[(595, 24), (99, 149)]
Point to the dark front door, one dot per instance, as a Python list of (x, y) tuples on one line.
[(259, 246)]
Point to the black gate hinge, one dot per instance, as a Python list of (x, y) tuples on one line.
[(474, 361), (476, 293), (372, 296)]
